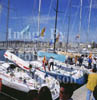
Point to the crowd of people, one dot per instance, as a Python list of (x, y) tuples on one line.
[(81, 60), (92, 76)]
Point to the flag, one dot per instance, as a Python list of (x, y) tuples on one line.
[(42, 32), (57, 38), (77, 36)]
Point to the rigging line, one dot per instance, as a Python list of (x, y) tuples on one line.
[(66, 12), (34, 17), (7, 24), (81, 2), (73, 26), (80, 15), (89, 20), (49, 10), (69, 19), (74, 20), (20, 19), (19, 22), (63, 22), (0, 10)]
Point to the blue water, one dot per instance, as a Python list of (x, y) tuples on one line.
[(55, 56), (2, 55)]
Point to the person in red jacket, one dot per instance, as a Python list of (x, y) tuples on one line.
[(44, 62)]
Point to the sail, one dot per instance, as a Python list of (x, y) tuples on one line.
[(21, 63)]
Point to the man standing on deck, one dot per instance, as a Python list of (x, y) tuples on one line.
[(51, 62), (91, 84)]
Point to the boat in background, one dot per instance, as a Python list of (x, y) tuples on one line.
[(48, 55)]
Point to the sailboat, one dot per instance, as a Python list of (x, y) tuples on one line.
[(61, 72), (19, 76)]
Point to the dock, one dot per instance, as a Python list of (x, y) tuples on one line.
[(80, 93)]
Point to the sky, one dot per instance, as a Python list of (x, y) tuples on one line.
[(25, 12)]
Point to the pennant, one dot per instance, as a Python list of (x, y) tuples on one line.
[(42, 32), (57, 38)]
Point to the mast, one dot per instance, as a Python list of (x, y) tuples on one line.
[(7, 25), (89, 20), (39, 17), (55, 25), (81, 1), (38, 23), (69, 17), (80, 16)]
